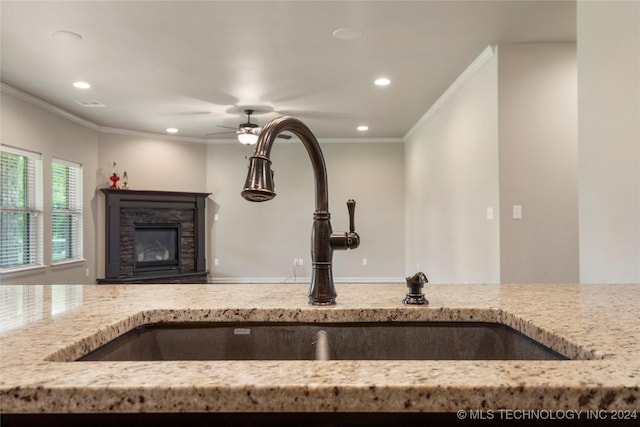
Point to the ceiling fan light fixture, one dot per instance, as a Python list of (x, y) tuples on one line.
[(247, 138)]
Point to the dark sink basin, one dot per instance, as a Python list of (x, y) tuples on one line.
[(312, 341)]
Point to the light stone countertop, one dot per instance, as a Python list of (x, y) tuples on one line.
[(597, 324)]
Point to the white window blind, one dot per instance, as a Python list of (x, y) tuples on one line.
[(20, 209), (66, 211)]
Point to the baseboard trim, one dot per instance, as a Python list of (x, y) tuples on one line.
[(302, 280)]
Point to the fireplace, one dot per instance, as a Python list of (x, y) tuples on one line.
[(154, 237), (156, 248)]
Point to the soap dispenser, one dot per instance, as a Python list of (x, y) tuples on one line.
[(415, 284)]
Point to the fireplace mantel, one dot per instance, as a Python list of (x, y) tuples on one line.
[(126, 209)]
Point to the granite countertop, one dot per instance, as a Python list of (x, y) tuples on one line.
[(596, 324)]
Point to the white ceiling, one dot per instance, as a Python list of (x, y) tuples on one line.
[(195, 65)]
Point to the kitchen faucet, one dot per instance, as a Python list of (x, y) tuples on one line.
[(259, 188)]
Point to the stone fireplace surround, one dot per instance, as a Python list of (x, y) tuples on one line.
[(125, 209)]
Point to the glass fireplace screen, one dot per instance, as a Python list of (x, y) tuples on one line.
[(156, 247)]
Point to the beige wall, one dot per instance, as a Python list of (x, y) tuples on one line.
[(258, 241), (451, 180), (507, 136), (29, 127), (451, 172), (609, 127), (537, 107), (251, 241), (151, 163)]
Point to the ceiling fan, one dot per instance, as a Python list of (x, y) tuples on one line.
[(247, 132)]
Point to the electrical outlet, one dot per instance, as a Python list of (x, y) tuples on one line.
[(216, 261), (300, 261), (216, 217), (86, 272), (364, 261)]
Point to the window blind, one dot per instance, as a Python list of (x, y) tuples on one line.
[(66, 211), (20, 208)]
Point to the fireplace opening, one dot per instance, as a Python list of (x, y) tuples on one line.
[(156, 247)]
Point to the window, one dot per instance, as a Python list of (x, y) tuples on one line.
[(66, 211), (20, 209)]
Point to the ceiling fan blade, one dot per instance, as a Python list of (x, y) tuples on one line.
[(246, 128), (254, 130), (220, 133), (318, 115), (258, 130)]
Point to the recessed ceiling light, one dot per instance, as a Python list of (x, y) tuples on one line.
[(363, 128), (347, 33), (66, 36), (382, 81), (172, 130), (81, 85)]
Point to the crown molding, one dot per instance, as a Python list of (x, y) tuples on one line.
[(47, 106), (118, 131), (488, 53), (360, 140), (88, 124)]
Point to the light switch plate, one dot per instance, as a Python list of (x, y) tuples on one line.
[(490, 213), (517, 212)]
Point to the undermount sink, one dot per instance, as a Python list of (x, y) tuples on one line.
[(327, 341)]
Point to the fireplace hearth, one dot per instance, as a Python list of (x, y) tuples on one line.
[(154, 237)]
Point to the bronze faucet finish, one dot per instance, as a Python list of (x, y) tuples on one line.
[(259, 187)]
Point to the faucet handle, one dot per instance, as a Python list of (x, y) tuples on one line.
[(351, 206), (346, 240)]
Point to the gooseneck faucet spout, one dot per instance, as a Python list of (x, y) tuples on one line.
[(259, 187)]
